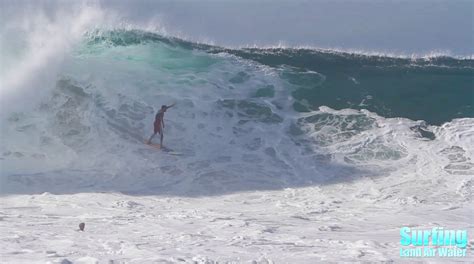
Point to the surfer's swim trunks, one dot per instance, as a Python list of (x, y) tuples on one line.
[(157, 128)]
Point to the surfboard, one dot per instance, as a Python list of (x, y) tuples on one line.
[(158, 146), (171, 152), (164, 149)]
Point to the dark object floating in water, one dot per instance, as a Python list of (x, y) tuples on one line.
[(81, 226), (423, 132)]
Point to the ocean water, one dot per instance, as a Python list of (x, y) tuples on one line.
[(245, 119)]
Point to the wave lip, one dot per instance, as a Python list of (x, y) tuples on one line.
[(130, 35)]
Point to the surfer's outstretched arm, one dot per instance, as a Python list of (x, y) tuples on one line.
[(171, 105)]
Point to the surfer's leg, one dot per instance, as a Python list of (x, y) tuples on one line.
[(149, 141), (161, 140)]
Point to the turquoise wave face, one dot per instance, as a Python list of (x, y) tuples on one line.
[(436, 89)]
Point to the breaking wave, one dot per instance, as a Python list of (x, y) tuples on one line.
[(245, 119)]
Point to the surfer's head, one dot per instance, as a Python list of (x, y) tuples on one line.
[(164, 107)]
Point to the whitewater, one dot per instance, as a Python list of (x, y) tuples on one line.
[(279, 159)]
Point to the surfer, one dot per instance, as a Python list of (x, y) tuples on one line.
[(159, 121)]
